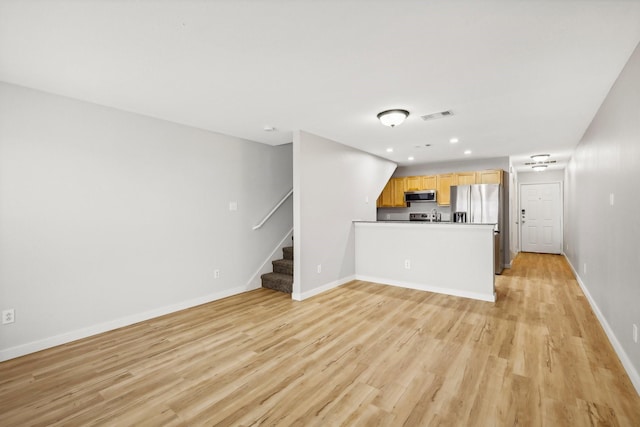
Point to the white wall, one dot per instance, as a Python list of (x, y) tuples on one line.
[(541, 177), (433, 251), (108, 217), (333, 185), (606, 238)]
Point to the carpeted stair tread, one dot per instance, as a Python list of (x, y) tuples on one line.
[(278, 282), (288, 252), (283, 266)]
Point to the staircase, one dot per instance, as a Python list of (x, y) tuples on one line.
[(282, 277)]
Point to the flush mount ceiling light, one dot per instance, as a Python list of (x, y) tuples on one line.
[(454, 140), (467, 152), (389, 150), (539, 168), (540, 157), (393, 118), (410, 158)]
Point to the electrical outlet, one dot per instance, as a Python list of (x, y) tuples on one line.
[(366, 199), (216, 274), (407, 264), (611, 198), (319, 268), (388, 216), (635, 333), (584, 268), (233, 206), (8, 316)]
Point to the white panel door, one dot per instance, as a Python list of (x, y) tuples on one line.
[(540, 222)]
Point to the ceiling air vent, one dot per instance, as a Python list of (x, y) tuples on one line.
[(439, 115)]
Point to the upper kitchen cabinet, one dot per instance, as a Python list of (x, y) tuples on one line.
[(393, 194), (413, 183), (399, 187), (489, 177), (418, 183), (444, 183), (386, 197), (429, 182), (464, 178)]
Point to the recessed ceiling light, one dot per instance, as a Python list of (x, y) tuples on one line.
[(539, 168), (410, 158), (389, 150), (540, 157), (467, 152), (453, 140), (269, 128)]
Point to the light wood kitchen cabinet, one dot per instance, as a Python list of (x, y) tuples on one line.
[(386, 197), (393, 194), (465, 178), (444, 183), (398, 192), (413, 183), (418, 183), (429, 182), (489, 177)]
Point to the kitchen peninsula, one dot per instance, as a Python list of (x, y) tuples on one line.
[(448, 258)]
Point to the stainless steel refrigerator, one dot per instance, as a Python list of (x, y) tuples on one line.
[(480, 204)]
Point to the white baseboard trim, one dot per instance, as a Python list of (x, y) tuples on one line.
[(67, 337), (429, 288), (634, 376), (256, 282), (300, 296)]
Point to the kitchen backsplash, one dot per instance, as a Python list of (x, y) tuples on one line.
[(402, 214)]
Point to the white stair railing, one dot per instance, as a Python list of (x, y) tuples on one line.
[(266, 218)]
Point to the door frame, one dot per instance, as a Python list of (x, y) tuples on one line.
[(561, 211)]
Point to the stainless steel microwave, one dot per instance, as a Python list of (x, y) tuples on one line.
[(420, 196)]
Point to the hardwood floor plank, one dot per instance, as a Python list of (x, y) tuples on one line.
[(360, 354)]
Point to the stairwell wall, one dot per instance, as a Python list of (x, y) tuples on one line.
[(108, 218), (333, 186)]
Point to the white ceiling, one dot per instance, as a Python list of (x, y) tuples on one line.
[(521, 77)]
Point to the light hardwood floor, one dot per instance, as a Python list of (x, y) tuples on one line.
[(361, 354)]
